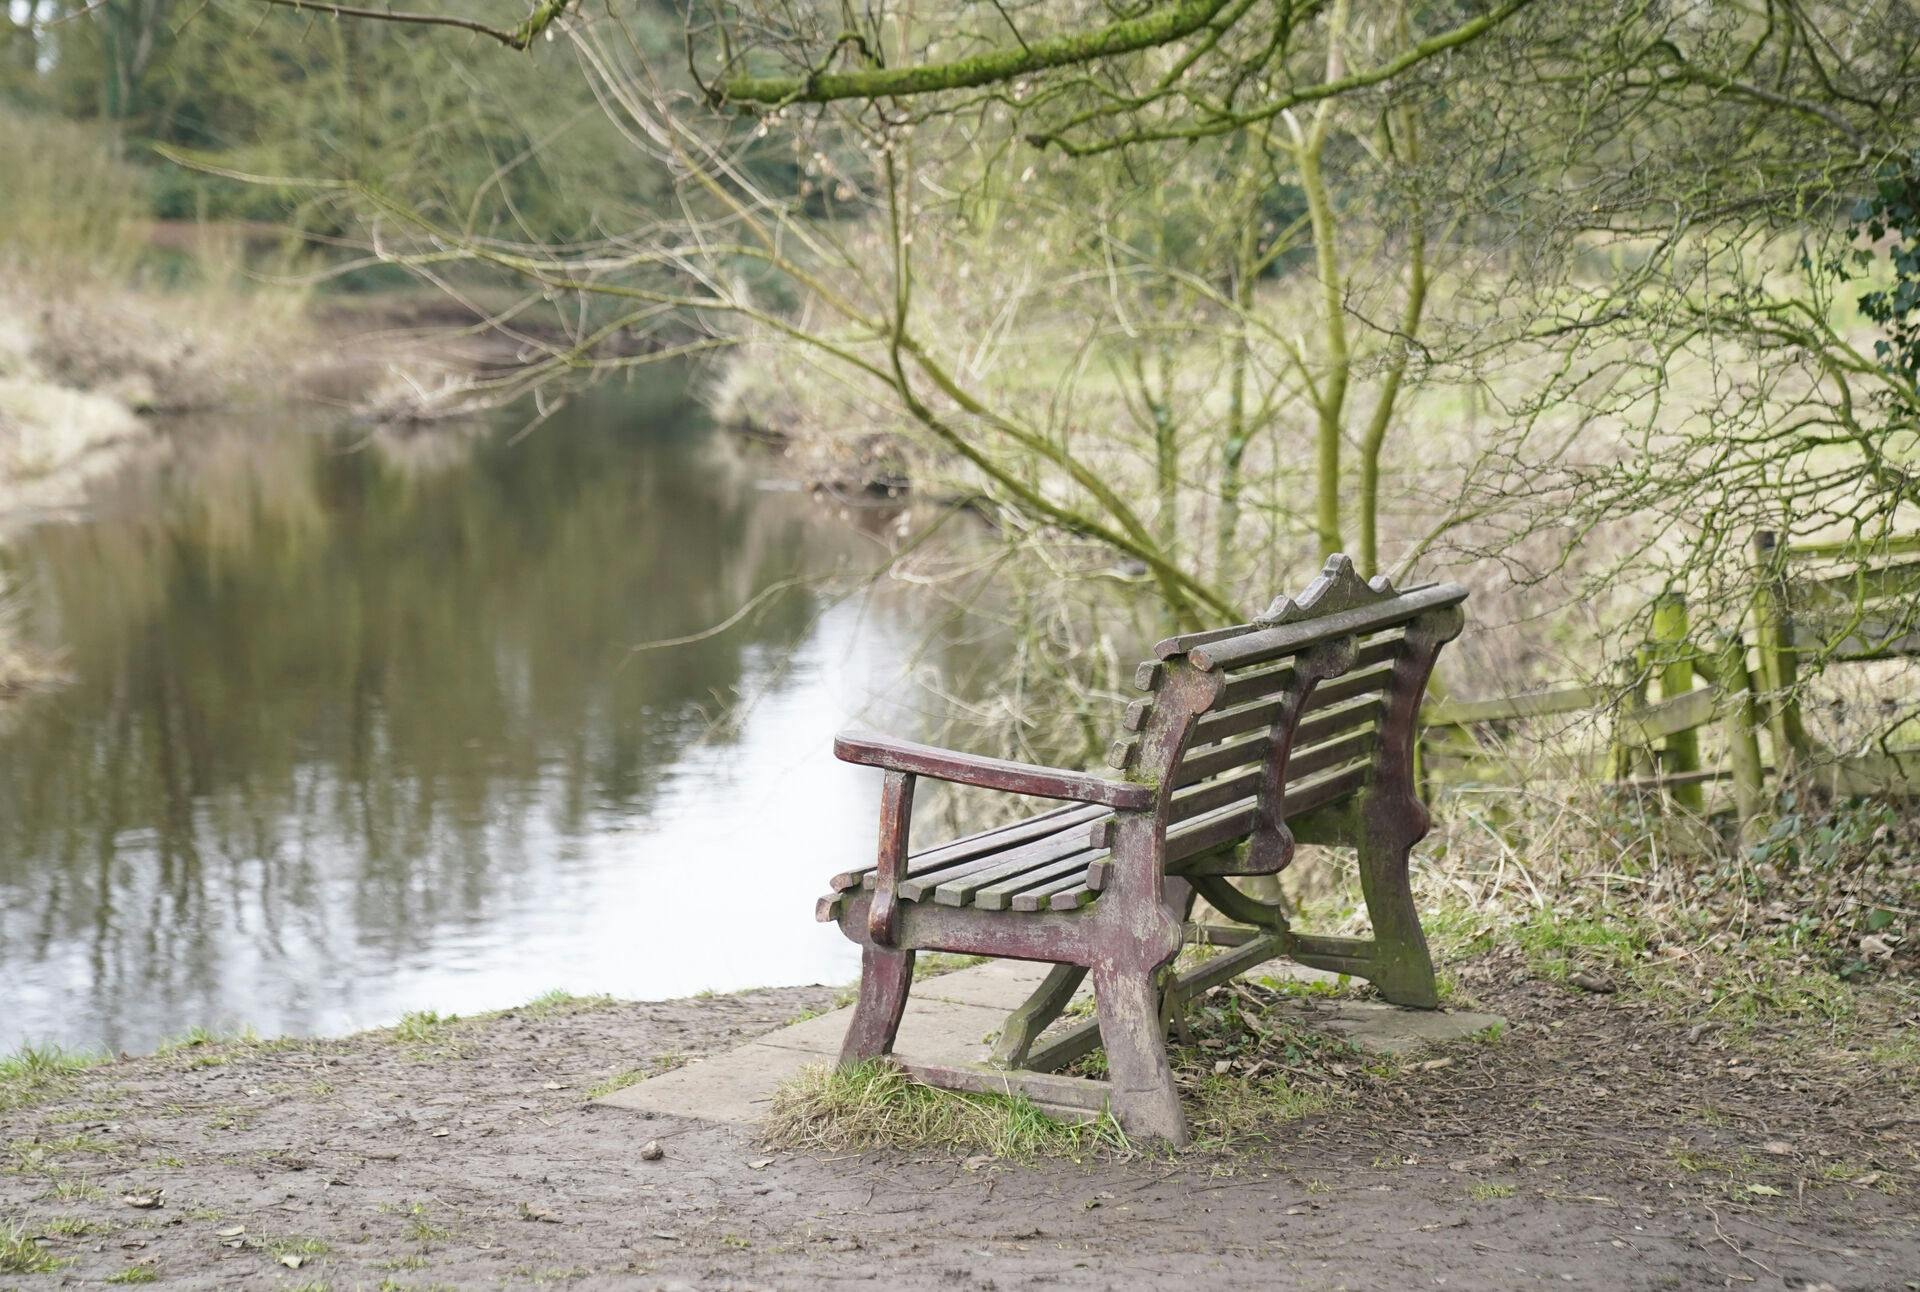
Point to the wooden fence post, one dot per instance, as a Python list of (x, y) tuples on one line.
[(1742, 725), (1773, 635), (1675, 657)]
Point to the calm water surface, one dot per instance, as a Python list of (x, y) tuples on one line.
[(357, 727)]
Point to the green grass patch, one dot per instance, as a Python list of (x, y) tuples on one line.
[(34, 1074), (618, 1081), (1902, 1053), (424, 1025), (202, 1047), (1487, 1191), (72, 1226), (621, 1080), (20, 1254), (1228, 1111), (875, 1105), (135, 1274), (420, 1228), (557, 1003), (426, 1035), (932, 964), (41, 1157)]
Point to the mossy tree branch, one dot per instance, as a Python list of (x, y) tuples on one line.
[(1159, 27), (521, 36)]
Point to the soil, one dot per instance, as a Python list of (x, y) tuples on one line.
[(1596, 1144)]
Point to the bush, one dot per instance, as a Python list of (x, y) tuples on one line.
[(68, 204)]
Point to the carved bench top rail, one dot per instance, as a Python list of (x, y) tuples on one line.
[(1337, 604)]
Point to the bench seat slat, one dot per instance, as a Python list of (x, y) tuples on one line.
[(946, 854), (1068, 871), (955, 886), (1226, 824), (1064, 894)]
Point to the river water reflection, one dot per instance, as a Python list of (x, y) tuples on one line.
[(357, 728)]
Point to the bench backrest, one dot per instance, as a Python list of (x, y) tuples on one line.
[(1305, 707)]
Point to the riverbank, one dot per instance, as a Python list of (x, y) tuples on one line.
[(1599, 1142)]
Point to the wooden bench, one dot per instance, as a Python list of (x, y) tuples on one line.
[(1297, 726)]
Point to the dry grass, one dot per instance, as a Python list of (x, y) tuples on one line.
[(87, 337), (1573, 879)]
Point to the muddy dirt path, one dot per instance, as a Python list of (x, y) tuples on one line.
[(1593, 1146)]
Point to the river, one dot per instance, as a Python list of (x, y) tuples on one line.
[(360, 724)]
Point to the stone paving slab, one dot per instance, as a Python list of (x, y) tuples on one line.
[(1380, 1028), (997, 984), (736, 1087), (930, 1027), (948, 1020)]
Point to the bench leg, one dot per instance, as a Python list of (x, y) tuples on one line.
[(1145, 1102), (1026, 1023), (1401, 967), (886, 976)]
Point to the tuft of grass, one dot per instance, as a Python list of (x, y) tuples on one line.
[(427, 1035), (618, 1081), (135, 1274), (875, 1105), (1902, 1054), (202, 1047), (197, 1038), (72, 1226), (932, 964), (40, 1157), (1231, 1110), (424, 1025), (19, 1254), (1487, 1191), (33, 1074), (422, 1230), (558, 1002), (621, 1080)]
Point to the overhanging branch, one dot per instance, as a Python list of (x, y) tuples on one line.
[(1159, 27), (521, 37)]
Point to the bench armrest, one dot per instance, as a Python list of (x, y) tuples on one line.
[(873, 750)]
